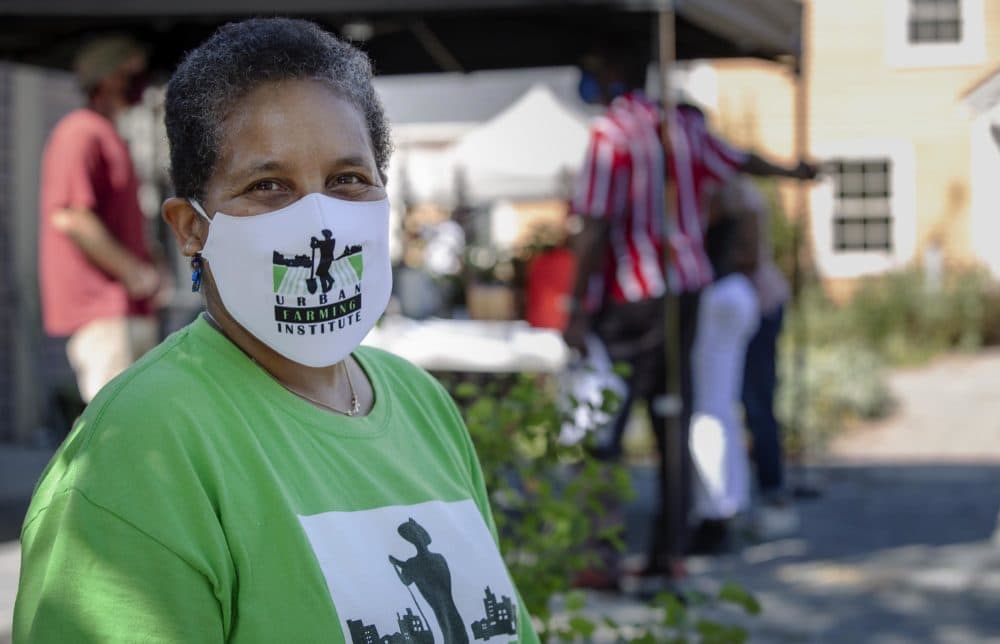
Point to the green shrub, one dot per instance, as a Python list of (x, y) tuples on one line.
[(893, 319), (840, 383), (551, 502), (898, 315), (904, 320), (549, 499)]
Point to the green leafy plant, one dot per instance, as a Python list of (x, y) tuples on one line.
[(891, 320), (840, 383), (899, 318), (551, 501)]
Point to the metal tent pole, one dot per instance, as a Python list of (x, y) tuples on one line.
[(672, 488), (800, 236)]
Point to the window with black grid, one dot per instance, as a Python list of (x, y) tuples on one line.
[(862, 209), (935, 21)]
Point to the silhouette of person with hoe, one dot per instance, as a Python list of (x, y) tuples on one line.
[(325, 247), (429, 571)]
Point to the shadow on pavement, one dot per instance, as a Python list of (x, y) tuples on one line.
[(889, 553)]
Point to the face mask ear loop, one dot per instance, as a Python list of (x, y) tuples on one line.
[(198, 209)]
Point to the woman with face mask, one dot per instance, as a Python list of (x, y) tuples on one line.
[(247, 480)]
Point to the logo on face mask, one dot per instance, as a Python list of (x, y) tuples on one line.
[(319, 289)]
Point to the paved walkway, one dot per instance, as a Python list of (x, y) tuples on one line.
[(899, 549), (902, 548), (949, 412)]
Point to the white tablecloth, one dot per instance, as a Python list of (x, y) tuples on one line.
[(471, 345)]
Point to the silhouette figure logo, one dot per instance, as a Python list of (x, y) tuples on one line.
[(302, 274), (428, 571), (421, 573), (317, 287)]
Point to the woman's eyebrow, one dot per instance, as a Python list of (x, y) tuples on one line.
[(273, 165), (256, 167), (354, 160)]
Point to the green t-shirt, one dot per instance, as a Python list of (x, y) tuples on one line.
[(197, 500)]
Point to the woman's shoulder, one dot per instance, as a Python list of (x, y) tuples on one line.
[(162, 378), (180, 370), (139, 452), (138, 415)]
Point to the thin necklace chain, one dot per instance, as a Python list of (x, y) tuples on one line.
[(355, 405)]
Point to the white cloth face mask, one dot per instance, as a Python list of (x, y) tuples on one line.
[(309, 280)]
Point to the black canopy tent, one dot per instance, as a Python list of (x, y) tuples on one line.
[(419, 36)]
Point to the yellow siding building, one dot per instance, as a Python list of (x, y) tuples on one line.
[(902, 99)]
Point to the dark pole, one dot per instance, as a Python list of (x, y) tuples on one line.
[(800, 233), (672, 488)]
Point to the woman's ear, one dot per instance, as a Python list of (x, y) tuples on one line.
[(189, 228)]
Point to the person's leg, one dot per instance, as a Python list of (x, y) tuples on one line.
[(708, 457), (143, 335), (670, 523), (719, 451), (98, 352), (737, 464), (689, 305), (759, 384), (775, 516), (712, 452), (603, 574), (666, 537), (616, 327)]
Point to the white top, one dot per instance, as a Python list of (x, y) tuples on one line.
[(728, 316)]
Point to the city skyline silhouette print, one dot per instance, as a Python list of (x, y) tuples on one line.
[(422, 574)]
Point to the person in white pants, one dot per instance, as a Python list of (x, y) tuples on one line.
[(727, 319)]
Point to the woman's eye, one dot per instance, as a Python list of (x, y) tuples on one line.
[(267, 185), (349, 179)]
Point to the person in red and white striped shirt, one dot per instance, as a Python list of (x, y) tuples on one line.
[(620, 200), (620, 185)]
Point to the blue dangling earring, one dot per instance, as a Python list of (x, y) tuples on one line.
[(196, 273)]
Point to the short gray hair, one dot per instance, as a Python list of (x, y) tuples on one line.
[(238, 58)]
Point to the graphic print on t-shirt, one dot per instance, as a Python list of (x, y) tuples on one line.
[(311, 290), (424, 573)]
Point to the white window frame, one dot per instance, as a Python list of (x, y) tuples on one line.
[(984, 222), (901, 53), (902, 205)]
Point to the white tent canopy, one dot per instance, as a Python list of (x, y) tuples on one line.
[(524, 152)]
